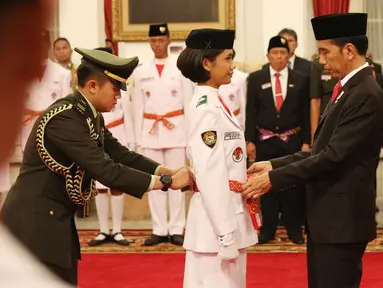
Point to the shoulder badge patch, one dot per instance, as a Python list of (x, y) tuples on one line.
[(209, 138), (202, 100)]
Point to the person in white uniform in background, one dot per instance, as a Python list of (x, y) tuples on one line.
[(219, 227), (234, 95), (54, 82), (120, 123), (160, 94)]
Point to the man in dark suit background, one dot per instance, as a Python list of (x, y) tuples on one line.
[(295, 62), (277, 124), (377, 67), (340, 167)]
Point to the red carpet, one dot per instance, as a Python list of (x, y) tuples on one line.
[(265, 270)]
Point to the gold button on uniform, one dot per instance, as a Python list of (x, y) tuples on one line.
[(51, 212)]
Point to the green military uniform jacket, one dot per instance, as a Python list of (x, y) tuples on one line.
[(67, 150)]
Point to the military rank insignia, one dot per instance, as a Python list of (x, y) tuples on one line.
[(202, 100), (209, 138), (81, 106)]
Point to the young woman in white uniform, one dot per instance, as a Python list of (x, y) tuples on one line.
[(219, 227)]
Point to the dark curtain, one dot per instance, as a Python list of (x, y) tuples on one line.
[(325, 7)]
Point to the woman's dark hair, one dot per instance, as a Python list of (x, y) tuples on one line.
[(360, 43), (190, 63)]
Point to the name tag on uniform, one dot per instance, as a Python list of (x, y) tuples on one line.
[(232, 135), (326, 77), (266, 85), (146, 79)]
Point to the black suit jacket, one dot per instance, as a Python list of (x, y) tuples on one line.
[(261, 112), (38, 210), (339, 170), (377, 68), (301, 65)]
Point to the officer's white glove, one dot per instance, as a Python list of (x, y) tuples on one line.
[(132, 147), (227, 247)]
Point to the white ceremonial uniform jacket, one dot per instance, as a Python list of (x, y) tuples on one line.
[(55, 84), (217, 152), (155, 95), (234, 95), (120, 123)]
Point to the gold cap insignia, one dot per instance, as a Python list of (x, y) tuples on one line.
[(283, 40), (162, 29)]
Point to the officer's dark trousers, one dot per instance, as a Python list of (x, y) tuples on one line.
[(290, 203)]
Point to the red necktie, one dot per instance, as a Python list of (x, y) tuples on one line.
[(160, 68), (224, 105), (335, 92), (278, 93)]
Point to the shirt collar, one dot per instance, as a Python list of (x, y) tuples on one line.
[(283, 72), (352, 73), (94, 111)]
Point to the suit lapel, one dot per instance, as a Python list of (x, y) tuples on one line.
[(266, 87), (290, 89), (297, 63), (231, 117), (354, 80)]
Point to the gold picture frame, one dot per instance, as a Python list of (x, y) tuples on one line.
[(126, 31)]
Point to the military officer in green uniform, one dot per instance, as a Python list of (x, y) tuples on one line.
[(68, 149), (321, 87)]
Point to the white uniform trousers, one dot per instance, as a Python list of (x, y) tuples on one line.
[(171, 158), (207, 270)]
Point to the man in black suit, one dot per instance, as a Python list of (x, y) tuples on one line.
[(277, 124), (339, 170), (377, 67), (295, 63)]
